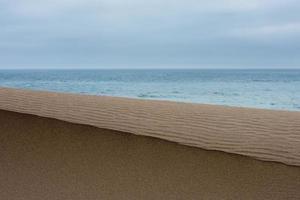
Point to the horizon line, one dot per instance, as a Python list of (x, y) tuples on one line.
[(154, 68), (150, 68)]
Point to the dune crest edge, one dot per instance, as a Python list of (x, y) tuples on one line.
[(263, 134)]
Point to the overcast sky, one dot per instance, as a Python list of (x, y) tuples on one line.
[(149, 33)]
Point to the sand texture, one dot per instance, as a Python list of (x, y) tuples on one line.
[(48, 159), (263, 134)]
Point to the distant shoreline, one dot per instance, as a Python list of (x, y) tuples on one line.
[(149, 99), (265, 89)]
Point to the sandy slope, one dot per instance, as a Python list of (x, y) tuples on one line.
[(46, 159), (263, 134)]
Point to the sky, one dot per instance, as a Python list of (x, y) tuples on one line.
[(149, 34)]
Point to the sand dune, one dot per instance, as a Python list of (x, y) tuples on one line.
[(263, 134), (46, 159)]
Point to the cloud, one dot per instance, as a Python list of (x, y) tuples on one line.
[(152, 33), (50, 7), (268, 31)]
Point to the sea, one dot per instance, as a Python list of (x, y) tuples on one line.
[(268, 89)]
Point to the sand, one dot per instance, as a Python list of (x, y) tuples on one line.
[(262, 134), (45, 159)]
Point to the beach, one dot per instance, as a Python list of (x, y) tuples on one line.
[(70, 146), (44, 158), (264, 134), (149, 100)]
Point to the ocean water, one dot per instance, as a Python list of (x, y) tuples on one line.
[(271, 89)]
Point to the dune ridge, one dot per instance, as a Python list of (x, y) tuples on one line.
[(44, 158), (263, 134)]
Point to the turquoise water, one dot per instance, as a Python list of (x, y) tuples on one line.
[(272, 89)]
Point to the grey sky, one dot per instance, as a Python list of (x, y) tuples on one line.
[(144, 34)]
